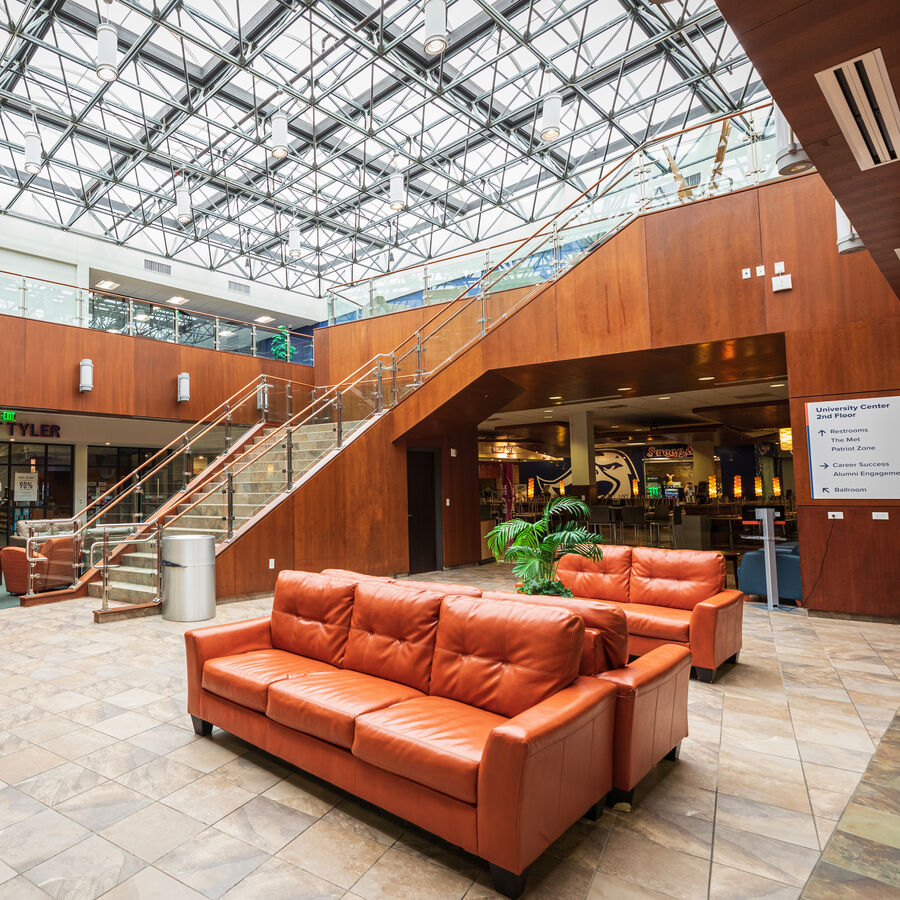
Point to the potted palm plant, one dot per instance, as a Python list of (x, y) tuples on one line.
[(535, 550)]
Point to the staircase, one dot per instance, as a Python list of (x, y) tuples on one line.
[(133, 580)]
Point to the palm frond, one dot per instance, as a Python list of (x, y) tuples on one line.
[(576, 508), (503, 535)]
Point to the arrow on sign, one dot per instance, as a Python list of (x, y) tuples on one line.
[(824, 465), (821, 431), (825, 490)]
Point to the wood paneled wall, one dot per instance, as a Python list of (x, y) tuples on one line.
[(132, 376)]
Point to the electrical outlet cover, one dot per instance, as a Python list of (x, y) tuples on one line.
[(745, 273), (779, 268), (835, 515), (881, 515), (760, 271)]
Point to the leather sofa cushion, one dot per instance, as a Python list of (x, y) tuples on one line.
[(607, 644), (608, 579), (348, 575), (676, 578), (504, 657), (658, 622), (311, 615), (245, 678), (456, 590), (392, 633), (431, 740), (326, 704)]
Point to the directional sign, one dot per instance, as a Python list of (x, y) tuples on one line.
[(854, 448)]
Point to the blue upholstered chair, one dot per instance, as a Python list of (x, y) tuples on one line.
[(752, 572)]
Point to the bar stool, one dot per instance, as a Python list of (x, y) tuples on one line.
[(633, 517)]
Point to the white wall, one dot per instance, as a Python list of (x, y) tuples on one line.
[(47, 248)]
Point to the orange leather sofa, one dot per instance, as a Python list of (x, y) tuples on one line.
[(53, 568), (668, 597), (465, 716)]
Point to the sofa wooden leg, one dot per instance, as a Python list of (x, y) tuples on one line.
[(705, 675), (733, 659), (595, 811), (621, 800), (674, 753), (201, 727), (508, 883)]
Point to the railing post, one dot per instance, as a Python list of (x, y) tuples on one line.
[(138, 498), (76, 559), (228, 437), (339, 407), (80, 308), (185, 461), (379, 388), (289, 457), (290, 399), (131, 317), (426, 290), (331, 307), (395, 391), (557, 248), (32, 562), (216, 338), (24, 301), (253, 340), (262, 399), (419, 352), (105, 571), (371, 298), (159, 559), (229, 505), (177, 327)]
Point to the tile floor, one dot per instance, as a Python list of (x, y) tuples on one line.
[(105, 791)]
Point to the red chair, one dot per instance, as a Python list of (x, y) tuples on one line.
[(54, 566)]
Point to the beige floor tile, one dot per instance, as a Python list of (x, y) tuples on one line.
[(37, 838), (208, 799), (125, 725), (56, 785), (205, 755), (20, 888), (103, 805), (159, 777), (767, 820), (787, 794), (27, 762), (333, 853), (162, 739), (759, 855), (366, 820), (398, 876), (153, 831), (16, 806), (151, 884), (873, 824), (116, 759), (306, 794), (733, 884), (256, 772), (265, 824), (828, 778), (278, 878)]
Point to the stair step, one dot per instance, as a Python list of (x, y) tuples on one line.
[(137, 575), (139, 560), (139, 593)]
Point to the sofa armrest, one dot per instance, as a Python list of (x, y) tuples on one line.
[(201, 644), (651, 711), (542, 770), (716, 629)]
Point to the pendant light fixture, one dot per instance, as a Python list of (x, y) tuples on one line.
[(790, 157), (551, 117), (294, 248), (33, 153), (183, 211), (397, 191), (435, 27), (107, 66), (848, 241), (279, 140)]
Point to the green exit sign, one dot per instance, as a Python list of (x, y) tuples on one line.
[(7, 415)]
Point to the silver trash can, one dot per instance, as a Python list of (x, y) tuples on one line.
[(189, 577)]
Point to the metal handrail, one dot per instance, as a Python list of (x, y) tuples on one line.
[(105, 566)]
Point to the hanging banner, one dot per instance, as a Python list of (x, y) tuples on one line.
[(508, 490), (25, 487)]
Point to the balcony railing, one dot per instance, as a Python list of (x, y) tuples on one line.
[(51, 301)]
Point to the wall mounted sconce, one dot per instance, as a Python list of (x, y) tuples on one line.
[(86, 375), (562, 489), (184, 386), (531, 489)]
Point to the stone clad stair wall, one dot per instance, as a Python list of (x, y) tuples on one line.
[(134, 579)]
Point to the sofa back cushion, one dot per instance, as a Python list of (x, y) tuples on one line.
[(392, 632), (606, 628), (504, 657), (311, 615), (676, 578), (607, 579), (347, 574), (455, 590)]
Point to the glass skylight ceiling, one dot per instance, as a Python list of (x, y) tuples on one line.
[(199, 79)]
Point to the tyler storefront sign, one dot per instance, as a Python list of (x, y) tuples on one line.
[(27, 429)]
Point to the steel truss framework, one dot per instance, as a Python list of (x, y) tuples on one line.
[(200, 79)]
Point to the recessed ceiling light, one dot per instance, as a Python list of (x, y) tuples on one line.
[(554, 398), (625, 389), (778, 384), (663, 398), (226, 333), (707, 378), (178, 301), (142, 317), (548, 417), (107, 285), (264, 320)]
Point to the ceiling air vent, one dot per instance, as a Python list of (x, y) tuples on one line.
[(151, 265), (238, 287), (863, 101)]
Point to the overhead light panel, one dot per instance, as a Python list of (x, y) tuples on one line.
[(706, 378), (551, 117), (278, 144), (33, 152), (435, 27), (294, 248), (177, 301), (864, 103), (107, 66), (790, 157), (107, 285), (264, 320)]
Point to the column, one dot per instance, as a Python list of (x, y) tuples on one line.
[(704, 464), (581, 452), (79, 496)]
